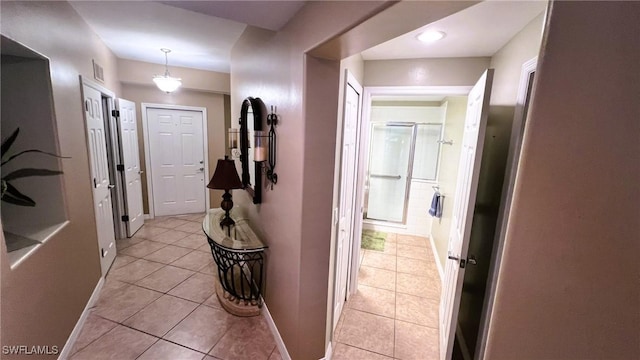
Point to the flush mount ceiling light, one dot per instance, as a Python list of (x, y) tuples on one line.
[(166, 82), (430, 36)]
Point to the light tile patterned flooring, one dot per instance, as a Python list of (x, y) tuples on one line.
[(158, 303), (394, 314)]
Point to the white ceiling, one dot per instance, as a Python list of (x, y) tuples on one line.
[(201, 34), (137, 30), (480, 30)]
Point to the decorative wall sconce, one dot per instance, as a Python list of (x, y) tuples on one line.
[(234, 143), (265, 148)]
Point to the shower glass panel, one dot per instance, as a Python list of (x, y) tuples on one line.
[(389, 171), (425, 160)]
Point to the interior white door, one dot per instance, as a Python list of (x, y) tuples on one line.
[(463, 208), (100, 177), (176, 150), (128, 129), (347, 196)]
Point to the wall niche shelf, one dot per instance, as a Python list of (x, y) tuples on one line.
[(27, 104)]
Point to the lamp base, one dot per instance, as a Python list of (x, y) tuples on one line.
[(227, 205)]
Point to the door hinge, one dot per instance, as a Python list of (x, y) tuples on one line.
[(125, 217), (102, 252), (120, 167), (115, 113)]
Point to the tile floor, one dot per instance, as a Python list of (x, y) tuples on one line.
[(394, 314), (158, 303)]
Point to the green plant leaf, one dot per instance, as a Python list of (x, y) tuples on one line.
[(14, 196), (6, 144), (36, 151), (22, 173)]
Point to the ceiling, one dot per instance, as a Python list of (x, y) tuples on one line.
[(201, 34), (479, 30), (137, 30)]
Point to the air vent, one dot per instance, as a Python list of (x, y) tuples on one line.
[(98, 72)]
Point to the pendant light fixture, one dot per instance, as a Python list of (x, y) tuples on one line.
[(166, 82)]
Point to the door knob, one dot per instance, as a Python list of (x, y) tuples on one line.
[(140, 172), (111, 186), (201, 169), (472, 260)]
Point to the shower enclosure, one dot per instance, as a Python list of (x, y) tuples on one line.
[(399, 153)]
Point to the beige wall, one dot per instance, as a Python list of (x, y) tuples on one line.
[(141, 73), (568, 284), (295, 218), (43, 297), (424, 72), (216, 128), (449, 161)]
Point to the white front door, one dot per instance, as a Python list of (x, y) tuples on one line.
[(347, 193), (128, 129), (463, 206), (100, 177), (176, 150)]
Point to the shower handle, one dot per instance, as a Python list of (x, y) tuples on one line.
[(391, 177)]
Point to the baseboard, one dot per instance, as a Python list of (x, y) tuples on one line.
[(284, 354), (148, 217), (66, 350), (436, 258), (328, 353)]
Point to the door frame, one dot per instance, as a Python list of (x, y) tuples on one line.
[(370, 92), (147, 153), (513, 159), (118, 208)]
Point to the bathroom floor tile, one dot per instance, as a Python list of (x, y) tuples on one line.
[(414, 267), (380, 278), (412, 240), (415, 252), (379, 260), (346, 352), (191, 227), (367, 331), (423, 286), (415, 342), (374, 300), (170, 223), (148, 231), (417, 310)]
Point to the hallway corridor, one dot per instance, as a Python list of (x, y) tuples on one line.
[(394, 314), (158, 303)]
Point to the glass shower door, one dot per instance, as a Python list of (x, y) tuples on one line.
[(391, 148)]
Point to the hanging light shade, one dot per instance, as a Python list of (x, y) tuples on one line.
[(166, 82)]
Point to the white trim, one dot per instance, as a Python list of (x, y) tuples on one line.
[(282, 348), (68, 346), (328, 354), (147, 154), (148, 217), (511, 172), (98, 87), (436, 258)]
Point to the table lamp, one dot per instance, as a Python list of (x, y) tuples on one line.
[(226, 178)]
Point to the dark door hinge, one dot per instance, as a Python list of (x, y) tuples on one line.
[(120, 167), (115, 113), (125, 217)]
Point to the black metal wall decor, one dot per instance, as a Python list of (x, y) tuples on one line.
[(272, 121)]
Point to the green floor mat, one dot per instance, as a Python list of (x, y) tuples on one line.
[(373, 240)]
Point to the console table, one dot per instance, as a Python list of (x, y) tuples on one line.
[(239, 255)]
